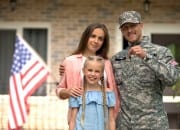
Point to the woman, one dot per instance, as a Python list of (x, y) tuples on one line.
[(94, 41)]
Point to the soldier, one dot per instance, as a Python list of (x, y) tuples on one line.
[(142, 71)]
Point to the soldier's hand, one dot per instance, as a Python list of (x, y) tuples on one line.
[(137, 51)]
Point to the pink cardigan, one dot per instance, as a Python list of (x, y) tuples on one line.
[(72, 76)]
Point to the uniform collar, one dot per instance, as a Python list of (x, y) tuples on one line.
[(143, 41)]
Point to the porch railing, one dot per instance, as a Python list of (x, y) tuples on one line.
[(46, 112)]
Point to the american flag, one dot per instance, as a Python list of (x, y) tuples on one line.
[(28, 72)]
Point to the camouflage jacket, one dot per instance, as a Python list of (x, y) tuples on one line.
[(141, 83)]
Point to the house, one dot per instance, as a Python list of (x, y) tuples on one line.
[(54, 27)]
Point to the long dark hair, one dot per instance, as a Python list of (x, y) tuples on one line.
[(103, 51)]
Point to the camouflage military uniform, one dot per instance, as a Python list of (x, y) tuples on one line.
[(141, 83)]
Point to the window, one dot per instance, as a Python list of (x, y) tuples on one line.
[(7, 37), (36, 37)]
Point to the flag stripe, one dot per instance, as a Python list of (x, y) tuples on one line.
[(29, 73), (14, 107), (12, 116), (20, 100), (38, 79), (17, 103), (32, 78)]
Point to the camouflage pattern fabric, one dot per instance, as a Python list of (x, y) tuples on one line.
[(129, 17), (141, 83)]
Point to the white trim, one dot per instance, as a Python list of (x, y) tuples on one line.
[(118, 40), (171, 99), (163, 28)]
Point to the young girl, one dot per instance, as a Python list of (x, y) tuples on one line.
[(94, 110)]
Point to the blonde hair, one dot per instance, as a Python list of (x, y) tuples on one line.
[(102, 61), (94, 58)]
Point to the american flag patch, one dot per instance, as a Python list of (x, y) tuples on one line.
[(173, 63)]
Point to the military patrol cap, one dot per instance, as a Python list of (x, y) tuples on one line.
[(129, 17)]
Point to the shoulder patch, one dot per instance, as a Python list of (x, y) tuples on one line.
[(173, 63)]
